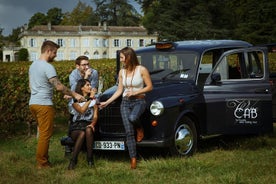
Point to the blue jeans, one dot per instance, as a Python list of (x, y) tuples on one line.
[(131, 110)]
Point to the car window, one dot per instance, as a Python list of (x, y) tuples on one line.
[(241, 66), (168, 65), (254, 65)]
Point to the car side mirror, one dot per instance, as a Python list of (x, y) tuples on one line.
[(216, 78)]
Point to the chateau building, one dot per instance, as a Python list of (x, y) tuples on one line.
[(96, 42)]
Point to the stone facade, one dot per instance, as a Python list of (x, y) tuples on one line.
[(96, 42)]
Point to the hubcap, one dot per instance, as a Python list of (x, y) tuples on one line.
[(183, 139)]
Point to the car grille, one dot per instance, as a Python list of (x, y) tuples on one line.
[(110, 121)]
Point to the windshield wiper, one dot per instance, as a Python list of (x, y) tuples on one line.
[(156, 71), (172, 74)]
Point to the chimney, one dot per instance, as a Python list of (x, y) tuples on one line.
[(25, 27), (80, 28), (104, 25), (49, 26)]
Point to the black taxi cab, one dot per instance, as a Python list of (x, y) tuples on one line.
[(201, 88)]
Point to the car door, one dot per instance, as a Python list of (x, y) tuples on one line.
[(238, 94)]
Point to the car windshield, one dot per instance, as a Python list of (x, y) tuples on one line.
[(170, 65)]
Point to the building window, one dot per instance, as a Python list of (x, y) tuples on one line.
[(96, 55), (60, 42), (116, 43), (73, 55), (34, 56), (32, 42), (104, 54), (129, 43), (73, 43), (105, 43), (97, 42), (60, 56), (85, 42), (87, 54), (141, 43)]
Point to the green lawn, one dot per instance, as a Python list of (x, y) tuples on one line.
[(218, 160)]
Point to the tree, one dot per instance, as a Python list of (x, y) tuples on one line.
[(249, 20), (1, 37), (37, 19), (197, 24), (117, 13), (178, 20), (82, 14), (54, 16), (1, 44), (255, 20), (14, 37), (145, 5)]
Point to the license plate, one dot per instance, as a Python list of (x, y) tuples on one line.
[(109, 145)]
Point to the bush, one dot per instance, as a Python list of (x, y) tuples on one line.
[(15, 94), (23, 55)]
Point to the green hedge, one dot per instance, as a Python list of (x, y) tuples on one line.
[(15, 94)]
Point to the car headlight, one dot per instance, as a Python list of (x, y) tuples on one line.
[(156, 108)]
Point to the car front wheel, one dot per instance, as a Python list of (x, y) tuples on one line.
[(185, 138)]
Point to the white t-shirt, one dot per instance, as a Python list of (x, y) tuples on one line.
[(87, 116)]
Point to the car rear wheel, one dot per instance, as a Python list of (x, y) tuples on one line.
[(185, 138)]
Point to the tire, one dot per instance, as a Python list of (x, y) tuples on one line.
[(185, 138)]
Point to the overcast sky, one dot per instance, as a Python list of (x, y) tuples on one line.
[(15, 13)]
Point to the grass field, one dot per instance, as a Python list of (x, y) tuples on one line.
[(238, 160), (220, 160)]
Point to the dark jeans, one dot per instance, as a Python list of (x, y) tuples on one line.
[(131, 110)]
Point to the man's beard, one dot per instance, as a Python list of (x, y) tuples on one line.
[(51, 60)]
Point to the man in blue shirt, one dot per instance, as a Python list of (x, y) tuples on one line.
[(84, 71)]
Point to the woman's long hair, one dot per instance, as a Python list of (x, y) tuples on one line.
[(131, 58), (80, 84)]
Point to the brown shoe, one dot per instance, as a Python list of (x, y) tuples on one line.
[(140, 134), (133, 163)]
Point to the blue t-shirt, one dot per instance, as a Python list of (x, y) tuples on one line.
[(41, 89), (75, 76)]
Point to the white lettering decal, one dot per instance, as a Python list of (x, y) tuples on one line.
[(245, 110)]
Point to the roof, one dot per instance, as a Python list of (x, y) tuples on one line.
[(203, 45), (59, 28)]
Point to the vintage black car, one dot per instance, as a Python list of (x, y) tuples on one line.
[(201, 88)]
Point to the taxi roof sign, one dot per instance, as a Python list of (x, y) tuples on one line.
[(164, 45)]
